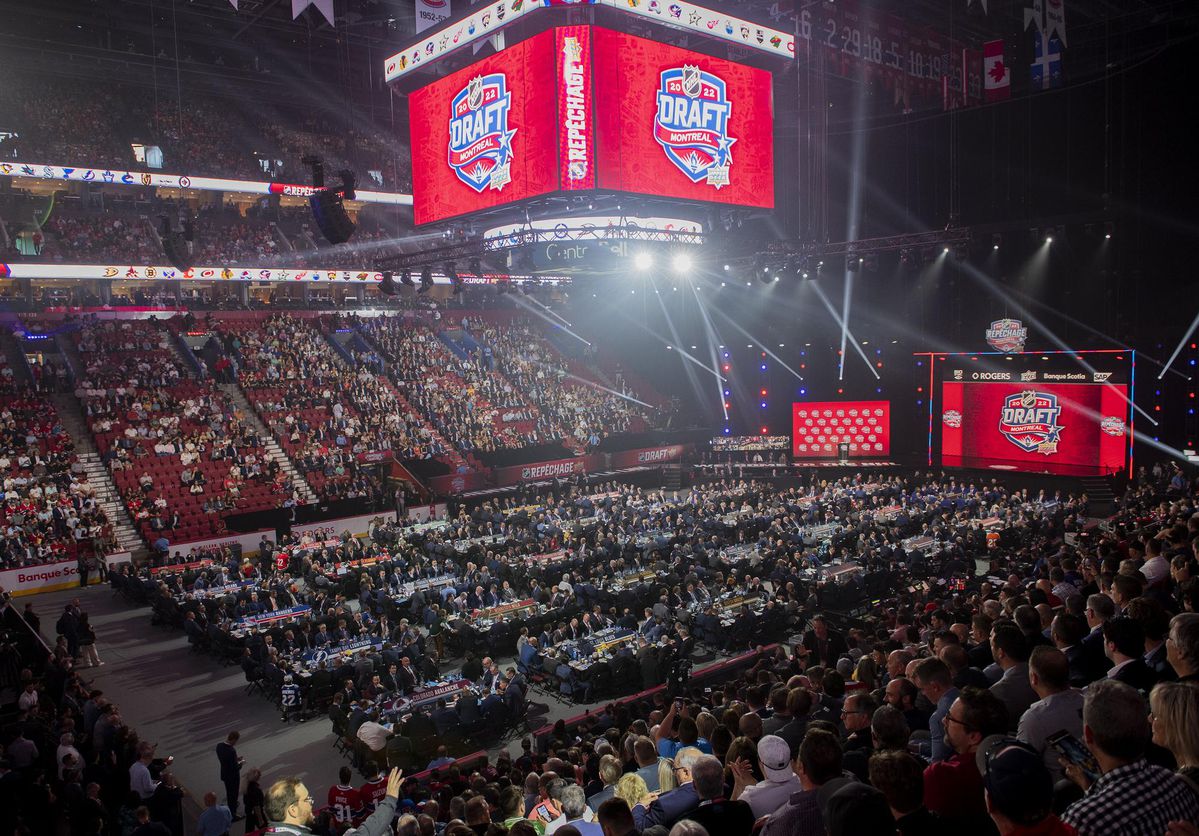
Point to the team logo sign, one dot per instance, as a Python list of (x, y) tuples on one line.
[(1007, 335), (1030, 421), (692, 124), (480, 140), (1112, 425), (952, 418)]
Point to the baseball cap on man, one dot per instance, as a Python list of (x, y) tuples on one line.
[(775, 757), (1017, 781)]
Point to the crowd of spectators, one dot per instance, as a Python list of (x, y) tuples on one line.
[(180, 452), (114, 238), (49, 511), (305, 394), (95, 124), (70, 759), (1056, 694)]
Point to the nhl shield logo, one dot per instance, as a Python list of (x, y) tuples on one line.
[(692, 124), (1030, 421), (480, 149), (1007, 335)]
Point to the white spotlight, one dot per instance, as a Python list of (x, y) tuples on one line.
[(681, 262), (643, 261)]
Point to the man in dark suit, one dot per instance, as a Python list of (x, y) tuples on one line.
[(445, 719), (677, 803), (468, 709), (822, 644), (407, 676), (1124, 644), (226, 754)]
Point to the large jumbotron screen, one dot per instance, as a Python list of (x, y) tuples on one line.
[(582, 108), (1058, 412)]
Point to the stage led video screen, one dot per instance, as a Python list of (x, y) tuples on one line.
[(819, 428), (1034, 417), (484, 135), (675, 123)]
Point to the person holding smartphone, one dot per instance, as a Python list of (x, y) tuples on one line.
[(1130, 794)]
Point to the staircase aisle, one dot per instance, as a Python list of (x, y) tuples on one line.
[(98, 476), (272, 446)]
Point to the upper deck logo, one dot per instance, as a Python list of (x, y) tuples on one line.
[(692, 124), (480, 141), (1007, 335), (1030, 421)]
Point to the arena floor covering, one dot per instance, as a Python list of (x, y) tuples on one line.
[(187, 703)]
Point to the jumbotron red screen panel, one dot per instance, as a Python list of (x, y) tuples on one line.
[(675, 123), (1036, 417), (581, 108), (485, 135), (818, 429)]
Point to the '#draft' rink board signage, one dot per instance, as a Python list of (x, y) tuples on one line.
[(487, 20)]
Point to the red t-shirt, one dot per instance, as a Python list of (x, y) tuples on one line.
[(345, 804), (953, 787)]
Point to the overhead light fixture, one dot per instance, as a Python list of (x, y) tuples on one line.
[(643, 261), (681, 262)]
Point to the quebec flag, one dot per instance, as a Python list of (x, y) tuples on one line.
[(1047, 61)]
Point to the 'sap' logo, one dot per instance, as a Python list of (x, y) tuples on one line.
[(692, 124), (480, 150), (1030, 421)]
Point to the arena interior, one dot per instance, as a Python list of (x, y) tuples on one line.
[(598, 418)]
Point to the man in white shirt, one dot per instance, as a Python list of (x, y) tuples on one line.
[(28, 699), (776, 788), (139, 772)]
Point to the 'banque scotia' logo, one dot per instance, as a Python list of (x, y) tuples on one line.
[(692, 124), (1030, 421), (480, 141)]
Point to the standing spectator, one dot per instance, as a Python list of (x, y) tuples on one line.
[(139, 772), (779, 784), (87, 642), (216, 818), (254, 801), (1131, 795), (933, 678), (226, 755)]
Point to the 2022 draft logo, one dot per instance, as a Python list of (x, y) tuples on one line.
[(1030, 421), (480, 141), (692, 124)]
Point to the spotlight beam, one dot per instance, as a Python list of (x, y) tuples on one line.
[(696, 387), (713, 341), (524, 304), (1178, 349), (990, 285), (852, 339), (550, 311), (765, 348), (591, 384), (677, 348)]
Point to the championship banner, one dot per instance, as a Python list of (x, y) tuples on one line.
[(431, 13)]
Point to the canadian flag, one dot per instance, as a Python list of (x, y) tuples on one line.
[(997, 78)]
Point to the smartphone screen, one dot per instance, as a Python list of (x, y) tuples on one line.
[(1073, 750)]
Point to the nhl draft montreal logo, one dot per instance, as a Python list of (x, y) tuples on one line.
[(1007, 335), (692, 124), (480, 141), (1030, 421)]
